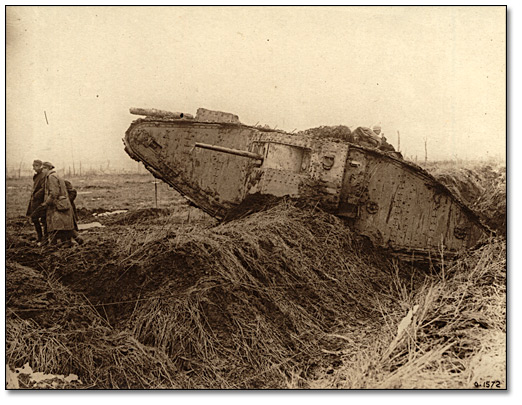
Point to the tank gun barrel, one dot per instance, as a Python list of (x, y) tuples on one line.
[(231, 151)]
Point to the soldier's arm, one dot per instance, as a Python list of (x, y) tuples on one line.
[(53, 186), (72, 194), (38, 194)]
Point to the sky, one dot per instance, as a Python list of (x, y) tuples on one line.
[(435, 74)]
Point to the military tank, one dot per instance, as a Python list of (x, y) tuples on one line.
[(220, 164)]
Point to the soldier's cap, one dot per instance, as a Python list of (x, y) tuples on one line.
[(376, 127), (48, 165), (37, 161)]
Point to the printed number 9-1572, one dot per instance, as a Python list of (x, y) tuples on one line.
[(487, 384)]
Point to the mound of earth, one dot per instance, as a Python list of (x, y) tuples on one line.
[(58, 331), (85, 215), (274, 299), (224, 304), (138, 216)]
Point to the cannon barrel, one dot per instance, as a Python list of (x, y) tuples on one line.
[(237, 152)]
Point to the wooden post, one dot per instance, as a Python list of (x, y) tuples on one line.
[(80, 168), (398, 141)]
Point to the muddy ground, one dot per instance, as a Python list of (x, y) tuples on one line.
[(160, 296), (120, 271)]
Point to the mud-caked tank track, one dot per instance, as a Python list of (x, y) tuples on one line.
[(218, 163)]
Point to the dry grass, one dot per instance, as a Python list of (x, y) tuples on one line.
[(250, 300), (454, 336), (482, 187), (285, 298), (59, 332)]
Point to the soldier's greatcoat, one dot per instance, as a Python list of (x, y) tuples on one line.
[(57, 220), (37, 196)]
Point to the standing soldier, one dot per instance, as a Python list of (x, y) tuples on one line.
[(35, 210), (60, 217)]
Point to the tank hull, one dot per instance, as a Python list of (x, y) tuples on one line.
[(220, 165)]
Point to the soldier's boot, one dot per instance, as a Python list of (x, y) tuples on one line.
[(38, 228), (79, 240)]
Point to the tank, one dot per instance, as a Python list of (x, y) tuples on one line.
[(223, 167)]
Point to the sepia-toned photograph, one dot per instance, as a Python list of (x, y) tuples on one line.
[(255, 197)]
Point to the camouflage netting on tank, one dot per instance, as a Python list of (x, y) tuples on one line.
[(337, 132)]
